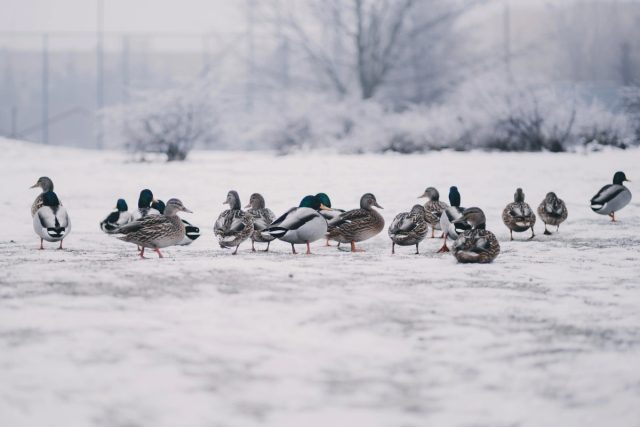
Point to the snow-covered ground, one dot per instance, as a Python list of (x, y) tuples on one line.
[(549, 334)]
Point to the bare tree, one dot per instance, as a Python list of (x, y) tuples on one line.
[(372, 38)]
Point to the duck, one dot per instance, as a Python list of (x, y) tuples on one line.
[(117, 218), (476, 245), (612, 197), (450, 229), (300, 225), (191, 232), (408, 228), (51, 221), (156, 231), (234, 225), (262, 219), (357, 225), (330, 213), (552, 211), (518, 215), (434, 208), (144, 205), (46, 184)]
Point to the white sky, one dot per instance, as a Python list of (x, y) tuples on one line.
[(137, 16)]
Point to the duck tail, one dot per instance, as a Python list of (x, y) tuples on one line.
[(56, 232)]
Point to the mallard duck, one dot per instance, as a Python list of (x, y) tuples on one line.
[(156, 231), (358, 224), (301, 225), (144, 205), (552, 211), (611, 198), (51, 221), (262, 219), (408, 228), (117, 218), (476, 245), (518, 216), (451, 230), (233, 226), (434, 208), (45, 183), (191, 232), (329, 214)]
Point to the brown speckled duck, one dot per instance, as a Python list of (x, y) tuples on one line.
[(552, 211), (358, 224), (518, 215), (476, 245), (434, 208)]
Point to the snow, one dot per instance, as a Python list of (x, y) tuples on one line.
[(93, 336)]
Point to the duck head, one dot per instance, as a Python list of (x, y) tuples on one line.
[(472, 216), (368, 200), (618, 178), (174, 206), (159, 206), (431, 193), (121, 205), (454, 196), (324, 199), (45, 183), (233, 200), (551, 202), (256, 201), (50, 199), (518, 197), (145, 199)]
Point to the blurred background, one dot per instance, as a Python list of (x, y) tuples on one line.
[(161, 78)]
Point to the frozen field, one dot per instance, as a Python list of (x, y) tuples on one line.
[(548, 335)]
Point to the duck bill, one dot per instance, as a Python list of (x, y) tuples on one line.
[(324, 208), (34, 185), (248, 206), (186, 210), (422, 196), (377, 205)]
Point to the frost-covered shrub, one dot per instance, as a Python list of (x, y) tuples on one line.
[(631, 99), (170, 122)]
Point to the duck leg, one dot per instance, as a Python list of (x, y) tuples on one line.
[(511, 233), (353, 247), (60, 247), (157, 250), (41, 247), (293, 249), (236, 251), (393, 248), (417, 249), (444, 247), (433, 232), (533, 234), (558, 228), (547, 232), (613, 216), (328, 244), (253, 248), (267, 250), (141, 253), (308, 249)]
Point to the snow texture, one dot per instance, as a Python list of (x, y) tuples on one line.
[(92, 336)]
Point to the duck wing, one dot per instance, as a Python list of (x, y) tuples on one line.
[(402, 223), (607, 193)]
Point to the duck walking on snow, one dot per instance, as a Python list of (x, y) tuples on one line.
[(449, 228), (156, 231), (408, 228), (51, 221), (357, 225), (301, 225), (233, 226), (518, 215), (476, 245), (434, 208), (117, 218), (262, 219), (191, 232), (552, 211), (612, 197), (45, 183)]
